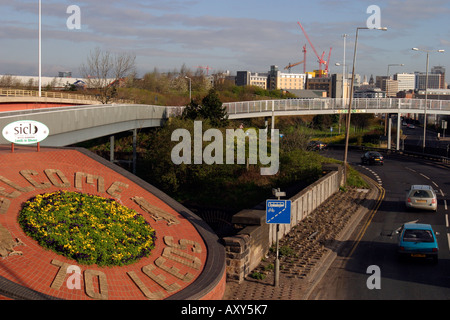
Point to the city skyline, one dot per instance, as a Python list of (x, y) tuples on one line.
[(232, 35)]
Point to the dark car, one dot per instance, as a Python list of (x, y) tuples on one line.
[(372, 157), (316, 145)]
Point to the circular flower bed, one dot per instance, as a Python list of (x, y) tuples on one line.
[(87, 228)]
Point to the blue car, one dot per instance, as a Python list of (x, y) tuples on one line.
[(417, 240)]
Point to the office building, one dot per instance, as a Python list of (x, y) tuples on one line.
[(434, 81), (386, 84), (406, 81), (285, 81), (247, 78), (440, 70)]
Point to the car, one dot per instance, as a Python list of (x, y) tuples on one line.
[(372, 157), (411, 126), (417, 240), (316, 145), (421, 197)]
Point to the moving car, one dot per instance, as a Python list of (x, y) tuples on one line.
[(372, 157), (421, 197), (417, 240), (316, 145)]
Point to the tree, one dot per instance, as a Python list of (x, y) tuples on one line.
[(192, 110), (104, 71), (213, 109)]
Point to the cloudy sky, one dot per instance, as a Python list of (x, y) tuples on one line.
[(224, 35)]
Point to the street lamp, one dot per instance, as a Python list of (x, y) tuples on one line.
[(347, 132), (426, 92), (40, 49), (190, 89)]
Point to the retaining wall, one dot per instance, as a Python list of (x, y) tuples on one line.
[(245, 250)]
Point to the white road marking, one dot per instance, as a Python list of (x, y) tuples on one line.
[(446, 220), (445, 204), (435, 184), (424, 176), (448, 239)]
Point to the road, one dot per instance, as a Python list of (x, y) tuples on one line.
[(348, 275)]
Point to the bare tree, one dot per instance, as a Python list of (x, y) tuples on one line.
[(105, 71)]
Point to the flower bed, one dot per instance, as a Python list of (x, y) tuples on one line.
[(87, 228)]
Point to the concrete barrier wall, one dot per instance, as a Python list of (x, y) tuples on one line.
[(245, 250)]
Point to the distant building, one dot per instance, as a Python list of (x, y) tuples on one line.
[(247, 78), (65, 74), (323, 84), (434, 94), (440, 70), (434, 81), (406, 81), (369, 93), (278, 80)]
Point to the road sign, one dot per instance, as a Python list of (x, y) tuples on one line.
[(278, 211)]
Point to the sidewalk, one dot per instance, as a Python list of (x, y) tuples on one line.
[(312, 245)]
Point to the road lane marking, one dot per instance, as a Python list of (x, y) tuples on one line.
[(448, 239), (435, 184), (369, 221), (424, 176), (442, 193), (446, 220), (445, 204)]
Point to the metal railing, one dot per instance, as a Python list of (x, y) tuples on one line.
[(45, 94), (339, 105)]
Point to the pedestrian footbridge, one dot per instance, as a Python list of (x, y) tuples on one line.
[(72, 124)]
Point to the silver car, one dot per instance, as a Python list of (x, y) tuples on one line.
[(421, 197)]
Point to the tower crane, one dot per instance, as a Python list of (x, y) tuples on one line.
[(319, 58), (207, 69), (291, 65), (298, 63)]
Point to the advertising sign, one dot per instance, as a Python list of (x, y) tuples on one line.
[(25, 132)]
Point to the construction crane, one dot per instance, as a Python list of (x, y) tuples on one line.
[(291, 65), (319, 58), (207, 69), (298, 63)]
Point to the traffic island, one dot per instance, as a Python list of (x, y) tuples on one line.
[(182, 259)]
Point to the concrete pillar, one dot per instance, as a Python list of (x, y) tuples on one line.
[(389, 133), (134, 150), (399, 127), (111, 148)]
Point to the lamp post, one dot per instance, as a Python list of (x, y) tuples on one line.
[(426, 93), (190, 88), (347, 131), (40, 49)]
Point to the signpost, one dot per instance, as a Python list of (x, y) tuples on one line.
[(278, 212), (25, 132)]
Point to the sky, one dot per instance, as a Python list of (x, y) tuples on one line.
[(230, 35)]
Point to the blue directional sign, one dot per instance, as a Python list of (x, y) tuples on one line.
[(278, 211)]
